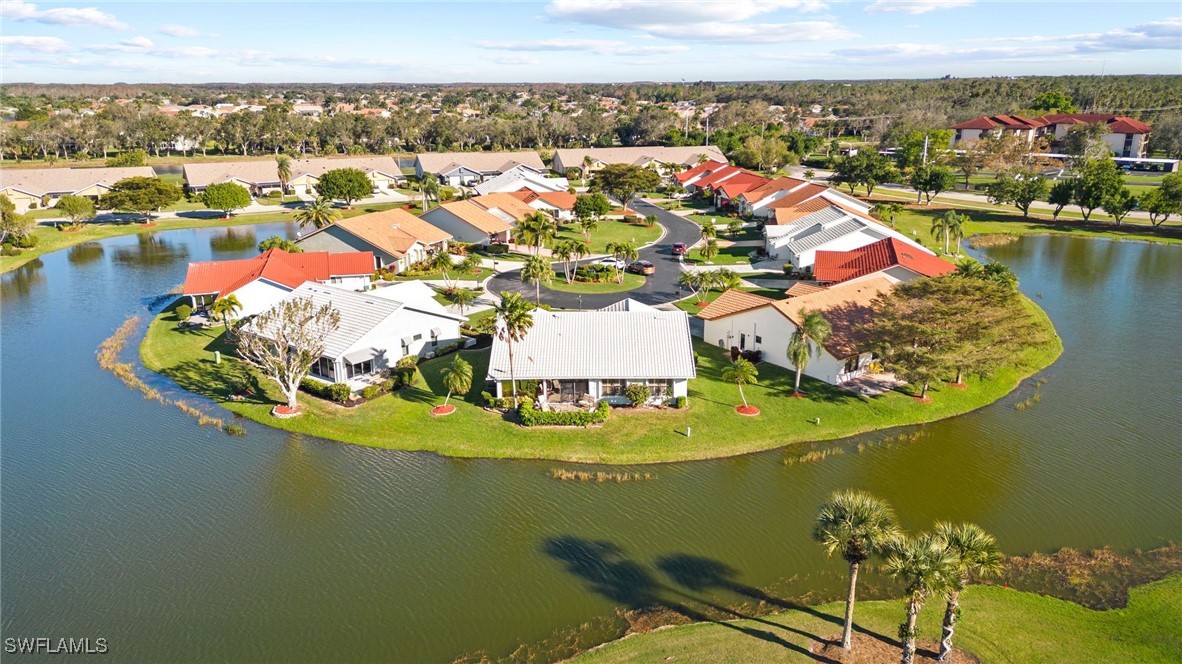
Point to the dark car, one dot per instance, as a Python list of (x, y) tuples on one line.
[(642, 267), (679, 248)]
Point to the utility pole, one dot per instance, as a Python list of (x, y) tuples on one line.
[(707, 130), (925, 149)]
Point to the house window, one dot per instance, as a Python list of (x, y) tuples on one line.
[(325, 368), (758, 339), (417, 337), (660, 387), (612, 387), (852, 364), (360, 369), (743, 341)]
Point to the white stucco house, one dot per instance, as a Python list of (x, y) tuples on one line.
[(587, 356), (522, 177), (378, 328), (480, 219), (260, 282), (746, 321), (470, 168), (35, 188), (829, 228), (397, 238)]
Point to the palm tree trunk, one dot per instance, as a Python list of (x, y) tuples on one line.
[(950, 611), (512, 375), (742, 396), (538, 292), (848, 629), (945, 241), (913, 607), (797, 388), (447, 397)]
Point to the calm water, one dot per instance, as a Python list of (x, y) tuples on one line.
[(123, 520)]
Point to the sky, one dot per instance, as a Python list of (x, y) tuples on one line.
[(580, 40)]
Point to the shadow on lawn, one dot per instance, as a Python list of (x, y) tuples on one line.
[(607, 571)]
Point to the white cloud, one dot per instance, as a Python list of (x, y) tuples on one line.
[(928, 53), (33, 44), (516, 59), (1155, 35), (18, 10), (628, 14), (916, 6), (756, 33), (174, 30), (597, 46), (267, 59), (145, 46)]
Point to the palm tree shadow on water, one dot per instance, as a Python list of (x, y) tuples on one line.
[(607, 571)]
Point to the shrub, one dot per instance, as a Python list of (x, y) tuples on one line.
[(183, 312), (679, 402), (532, 417), (387, 385), (493, 402), (734, 227), (274, 194), (638, 394), (339, 392), (498, 248), (27, 241), (9, 250), (752, 356), (449, 348), (370, 392), (788, 268), (735, 353)]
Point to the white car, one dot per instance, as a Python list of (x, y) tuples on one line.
[(617, 263)]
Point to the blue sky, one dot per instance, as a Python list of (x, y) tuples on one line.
[(580, 40)]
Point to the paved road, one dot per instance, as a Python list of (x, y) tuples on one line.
[(661, 287)]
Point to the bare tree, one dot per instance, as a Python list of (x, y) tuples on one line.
[(284, 341)]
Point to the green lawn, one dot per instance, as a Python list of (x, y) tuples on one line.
[(455, 275), (611, 230), (732, 255), (630, 282), (998, 625), (401, 420), (51, 239)]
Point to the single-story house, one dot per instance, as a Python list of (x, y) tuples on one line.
[(707, 181), (481, 219), (378, 328), (260, 282), (468, 168), (259, 177), (895, 261), (688, 177), (746, 321), (397, 238), (383, 172), (522, 177), (35, 188), (557, 204), (665, 159), (763, 200), (588, 356), (831, 228)]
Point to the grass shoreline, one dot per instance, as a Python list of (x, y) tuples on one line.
[(400, 421)]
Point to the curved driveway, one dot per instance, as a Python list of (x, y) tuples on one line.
[(660, 287)]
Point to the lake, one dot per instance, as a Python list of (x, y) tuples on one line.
[(124, 520)]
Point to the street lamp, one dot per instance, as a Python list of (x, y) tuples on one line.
[(580, 301)]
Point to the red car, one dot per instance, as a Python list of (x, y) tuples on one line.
[(679, 249)]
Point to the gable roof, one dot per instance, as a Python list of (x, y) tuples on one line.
[(359, 313), (473, 215), (740, 183), (682, 154), (41, 181), (1117, 124), (505, 202), (732, 302), (277, 266), (519, 177), (482, 162), (803, 288), (259, 172), (785, 215), (721, 174), (792, 198), (633, 343), (318, 166), (839, 266), (701, 169), (393, 231), (845, 306), (773, 186)]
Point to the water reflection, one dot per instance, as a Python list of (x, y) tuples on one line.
[(152, 249), (87, 252), (301, 486), (21, 281), (233, 240)]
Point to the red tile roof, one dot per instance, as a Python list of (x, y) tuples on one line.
[(291, 270), (772, 187), (1118, 124), (1123, 125), (807, 192), (719, 175), (738, 184), (705, 167), (782, 215), (839, 266)]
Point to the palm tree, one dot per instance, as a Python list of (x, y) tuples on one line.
[(924, 566), (741, 372), (441, 261), (462, 297), (569, 251), (625, 251), (537, 270), (855, 525), (283, 166), (806, 341), (691, 281), (587, 162), (969, 267), (470, 263), (535, 230), (1001, 273), (975, 554), (513, 320), (709, 230), (319, 213), (950, 224), (588, 224), (428, 189), (457, 377), (888, 211), (224, 308), (710, 250)]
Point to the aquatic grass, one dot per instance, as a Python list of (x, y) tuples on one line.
[(813, 456), (598, 476)]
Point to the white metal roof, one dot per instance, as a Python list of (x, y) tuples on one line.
[(634, 344), (360, 313)]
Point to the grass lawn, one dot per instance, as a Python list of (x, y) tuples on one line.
[(630, 282), (51, 239), (275, 202), (732, 255), (454, 275), (720, 220), (690, 305), (401, 420), (611, 230), (998, 625)]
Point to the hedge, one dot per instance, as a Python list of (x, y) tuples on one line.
[(532, 417)]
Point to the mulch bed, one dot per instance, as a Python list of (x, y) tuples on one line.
[(283, 411), (958, 386), (440, 411), (869, 649), (748, 411), (922, 399), (798, 395)]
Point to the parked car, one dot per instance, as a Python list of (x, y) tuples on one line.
[(679, 248), (618, 263), (643, 267)]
